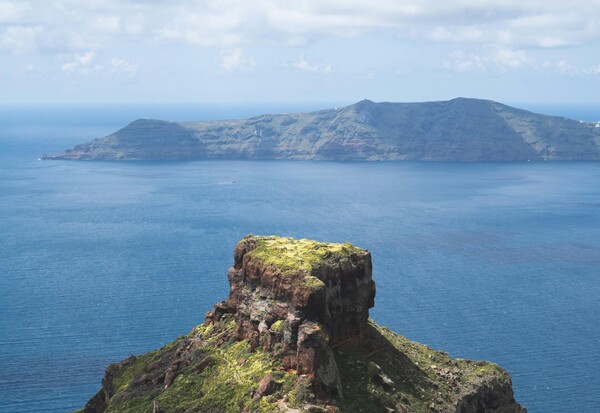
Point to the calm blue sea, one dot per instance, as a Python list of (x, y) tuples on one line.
[(100, 260)]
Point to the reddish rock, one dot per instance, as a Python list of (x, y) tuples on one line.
[(267, 386), (314, 307)]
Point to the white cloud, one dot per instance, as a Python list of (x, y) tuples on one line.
[(107, 24), (235, 61), (457, 34), (81, 63), (493, 59), (550, 29), (513, 24), (462, 62), (122, 66), (11, 12), (305, 65), (87, 63), (564, 67), (21, 39), (512, 59), (495, 37), (533, 23), (135, 25)]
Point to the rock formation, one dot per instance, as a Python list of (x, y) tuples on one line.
[(294, 335), (461, 129), (300, 299)]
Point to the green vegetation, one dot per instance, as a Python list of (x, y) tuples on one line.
[(384, 371), (419, 376), (226, 384), (299, 393), (277, 326), (462, 129), (313, 282), (291, 255)]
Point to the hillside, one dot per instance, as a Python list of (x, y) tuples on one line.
[(456, 130), (294, 335)]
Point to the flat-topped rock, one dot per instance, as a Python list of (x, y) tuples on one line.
[(300, 297)]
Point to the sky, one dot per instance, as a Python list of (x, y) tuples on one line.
[(298, 51)]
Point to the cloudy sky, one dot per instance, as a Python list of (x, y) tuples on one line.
[(299, 50)]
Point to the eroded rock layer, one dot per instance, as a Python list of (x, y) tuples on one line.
[(299, 298)]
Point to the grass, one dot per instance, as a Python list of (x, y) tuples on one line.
[(414, 369), (291, 255), (313, 282), (226, 385)]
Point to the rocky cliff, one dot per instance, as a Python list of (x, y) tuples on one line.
[(294, 335), (456, 130)]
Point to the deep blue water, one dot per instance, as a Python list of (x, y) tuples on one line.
[(100, 260)]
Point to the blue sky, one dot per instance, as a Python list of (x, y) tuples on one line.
[(299, 51)]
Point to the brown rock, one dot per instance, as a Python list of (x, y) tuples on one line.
[(493, 397), (203, 364), (267, 386), (170, 377), (400, 408), (315, 306), (314, 409)]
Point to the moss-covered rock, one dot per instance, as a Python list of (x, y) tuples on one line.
[(289, 255)]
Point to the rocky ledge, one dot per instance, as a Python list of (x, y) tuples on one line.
[(294, 336)]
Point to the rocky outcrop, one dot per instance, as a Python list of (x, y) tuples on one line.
[(300, 298), (489, 396), (294, 335), (467, 130)]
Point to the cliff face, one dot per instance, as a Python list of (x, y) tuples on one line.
[(299, 299), (456, 130), (294, 335), (143, 139)]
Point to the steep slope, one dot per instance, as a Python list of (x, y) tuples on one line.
[(456, 130), (294, 335), (143, 139)]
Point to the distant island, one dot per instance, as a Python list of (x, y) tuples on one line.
[(294, 336), (462, 129)]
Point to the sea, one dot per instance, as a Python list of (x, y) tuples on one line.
[(101, 260)]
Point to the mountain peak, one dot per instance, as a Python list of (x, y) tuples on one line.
[(364, 104)]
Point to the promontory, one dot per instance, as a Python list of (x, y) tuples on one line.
[(467, 130), (294, 335)]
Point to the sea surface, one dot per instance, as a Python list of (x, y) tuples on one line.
[(101, 260)]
